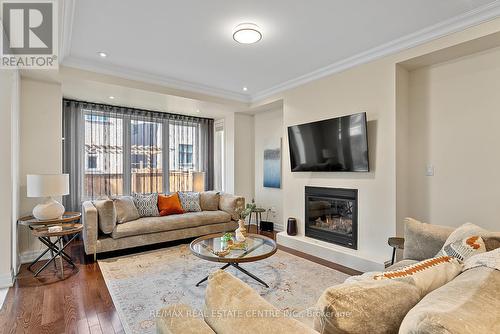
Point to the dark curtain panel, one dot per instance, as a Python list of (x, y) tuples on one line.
[(110, 150)]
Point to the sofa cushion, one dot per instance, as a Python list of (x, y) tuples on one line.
[(423, 241), (190, 201), (107, 215), (467, 304), (232, 306), (125, 209), (177, 319), (209, 200), (366, 306), (169, 204), (147, 225), (232, 204), (146, 204)]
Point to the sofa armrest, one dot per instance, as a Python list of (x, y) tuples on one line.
[(232, 204), (180, 319), (231, 306), (365, 306), (90, 227)]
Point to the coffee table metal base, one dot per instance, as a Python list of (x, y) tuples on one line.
[(237, 266)]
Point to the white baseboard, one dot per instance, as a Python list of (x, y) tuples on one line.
[(29, 256), (327, 252), (6, 280)]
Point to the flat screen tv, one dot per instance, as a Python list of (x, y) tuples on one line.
[(333, 145)]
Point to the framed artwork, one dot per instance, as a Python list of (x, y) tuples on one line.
[(272, 164)]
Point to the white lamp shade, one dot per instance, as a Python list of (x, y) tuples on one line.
[(198, 181), (48, 185)]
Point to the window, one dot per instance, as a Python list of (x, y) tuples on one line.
[(91, 161), (186, 155), (128, 150), (104, 155), (145, 158)]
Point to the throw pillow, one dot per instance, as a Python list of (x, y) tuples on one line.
[(209, 200), (146, 204), (427, 275), (190, 201), (458, 244), (464, 249), (125, 209), (169, 204), (423, 241), (106, 215)]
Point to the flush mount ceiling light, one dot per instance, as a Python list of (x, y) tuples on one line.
[(102, 54), (245, 89), (247, 33), (111, 97)]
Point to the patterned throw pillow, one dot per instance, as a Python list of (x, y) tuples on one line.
[(464, 242), (427, 275), (463, 249), (190, 201), (146, 204)]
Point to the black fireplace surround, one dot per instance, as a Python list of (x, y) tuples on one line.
[(332, 215)]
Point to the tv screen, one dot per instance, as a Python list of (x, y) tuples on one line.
[(333, 145)]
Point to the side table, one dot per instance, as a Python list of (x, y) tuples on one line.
[(40, 229), (258, 217)]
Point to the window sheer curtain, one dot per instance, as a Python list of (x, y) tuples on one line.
[(110, 150)]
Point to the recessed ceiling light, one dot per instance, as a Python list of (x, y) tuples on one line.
[(245, 89), (247, 33), (102, 54), (111, 97), (198, 111)]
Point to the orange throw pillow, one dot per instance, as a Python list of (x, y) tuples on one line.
[(169, 204)]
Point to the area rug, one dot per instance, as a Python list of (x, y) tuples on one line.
[(144, 283)]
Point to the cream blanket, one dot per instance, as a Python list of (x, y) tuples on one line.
[(489, 259)]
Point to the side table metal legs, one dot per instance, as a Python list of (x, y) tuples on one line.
[(56, 250), (237, 266)]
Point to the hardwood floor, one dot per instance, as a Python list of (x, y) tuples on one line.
[(81, 302)]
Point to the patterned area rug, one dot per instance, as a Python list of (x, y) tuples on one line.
[(144, 283)]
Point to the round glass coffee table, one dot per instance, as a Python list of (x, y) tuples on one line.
[(256, 247)]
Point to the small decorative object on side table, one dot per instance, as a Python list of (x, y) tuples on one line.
[(69, 226)]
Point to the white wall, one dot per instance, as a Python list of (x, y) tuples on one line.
[(268, 130), (9, 113), (244, 156), (454, 118), (41, 145), (369, 87)]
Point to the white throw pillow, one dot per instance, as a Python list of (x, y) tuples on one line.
[(464, 242)]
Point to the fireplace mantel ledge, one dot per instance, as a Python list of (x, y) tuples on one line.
[(328, 252)]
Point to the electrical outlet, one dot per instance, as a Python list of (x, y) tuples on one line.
[(429, 171)]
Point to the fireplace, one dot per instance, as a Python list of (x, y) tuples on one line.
[(332, 215)]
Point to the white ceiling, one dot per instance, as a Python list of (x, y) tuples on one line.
[(189, 43)]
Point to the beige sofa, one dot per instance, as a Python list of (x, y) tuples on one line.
[(152, 230), (469, 303)]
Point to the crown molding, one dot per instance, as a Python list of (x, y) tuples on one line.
[(452, 25), (130, 74), (68, 15), (455, 24)]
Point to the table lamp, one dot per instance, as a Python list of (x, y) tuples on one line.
[(47, 186), (198, 181)]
